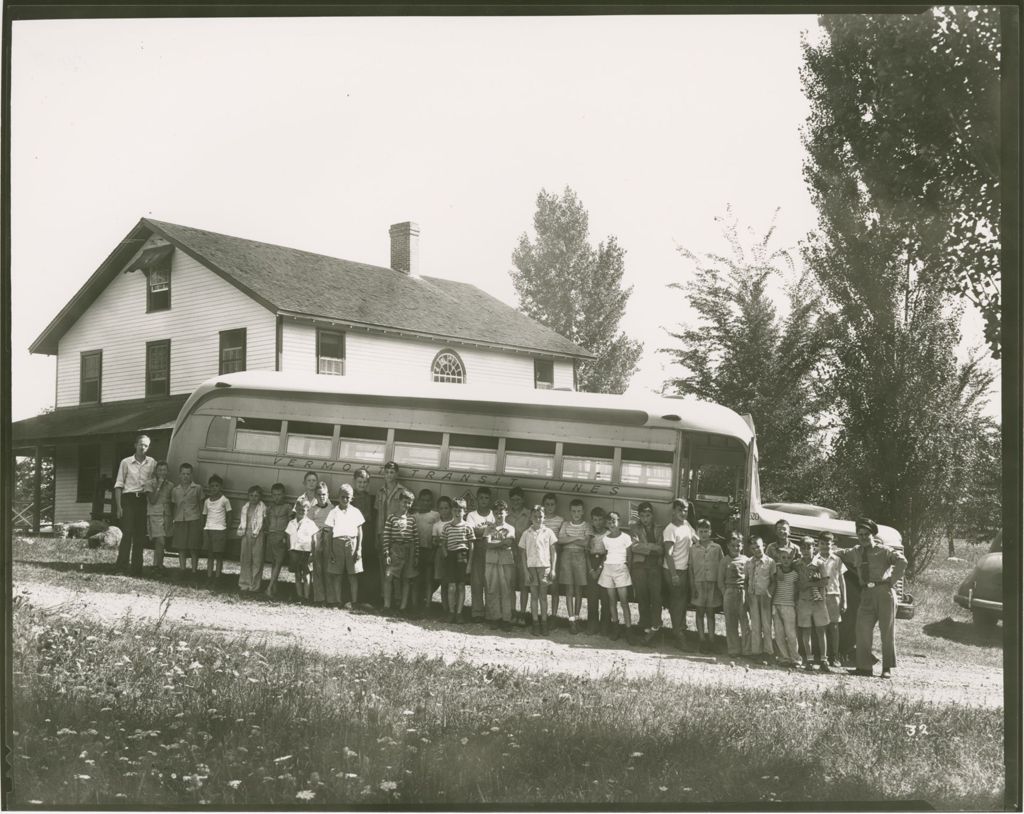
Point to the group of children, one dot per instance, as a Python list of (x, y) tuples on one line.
[(792, 595)]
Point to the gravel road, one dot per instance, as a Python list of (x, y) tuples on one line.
[(341, 632)]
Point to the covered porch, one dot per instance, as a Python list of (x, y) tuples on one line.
[(85, 445)]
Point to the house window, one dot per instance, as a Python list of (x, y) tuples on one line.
[(91, 375), (232, 351), (158, 290), (88, 472), (543, 374), (330, 352), (448, 368), (158, 368)]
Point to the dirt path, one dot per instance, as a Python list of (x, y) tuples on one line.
[(344, 633)]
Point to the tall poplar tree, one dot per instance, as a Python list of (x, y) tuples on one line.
[(566, 284)]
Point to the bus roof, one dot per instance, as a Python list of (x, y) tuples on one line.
[(638, 409)]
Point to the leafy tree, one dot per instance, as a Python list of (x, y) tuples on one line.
[(905, 110), (978, 487), (576, 290), (24, 484), (742, 353), (904, 403)]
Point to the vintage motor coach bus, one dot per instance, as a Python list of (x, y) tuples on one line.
[(258, 428)]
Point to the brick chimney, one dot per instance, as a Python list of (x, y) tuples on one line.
[(405, 247)]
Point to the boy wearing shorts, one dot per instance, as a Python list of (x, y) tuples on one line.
[(277, 515), (301, 531), (217, 511), (458, 537), (345, 555), (705, 559), (500, 569), (399, 551), (253, 534), (833, 569), (573, 541), (426, 517), (539, 548), (615, 577), (187, 499), (158, 513), (810, 604)]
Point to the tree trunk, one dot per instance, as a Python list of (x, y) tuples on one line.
[(949, 533)]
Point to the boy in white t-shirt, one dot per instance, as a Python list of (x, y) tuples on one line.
[(481, 520), (345, 555), (615, 576), (678, 537), (301, 531), (539, 548), (217, 511)]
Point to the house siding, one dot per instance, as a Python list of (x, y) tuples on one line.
[(202, 305), (367, 355)]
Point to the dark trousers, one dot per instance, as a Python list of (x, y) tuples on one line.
[(133, 531), (647, 589), (679, 599)]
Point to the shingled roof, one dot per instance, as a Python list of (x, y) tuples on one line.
[(299, 283)]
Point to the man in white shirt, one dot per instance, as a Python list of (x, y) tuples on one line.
[(133, 476)]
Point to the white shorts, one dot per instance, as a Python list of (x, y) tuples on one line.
[(614, 576)]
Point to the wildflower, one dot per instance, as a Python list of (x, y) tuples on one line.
[(234, 783), (347, 776), (494, 729), (564, 696), (348, 754), (637, 754), (35, 802), (388, 785), (662, 788), (305, 794), (83, 777), (408, 712), (282, 759), (687, 788), (464, 741)]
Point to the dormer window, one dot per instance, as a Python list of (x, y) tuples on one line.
[(155, 264), (158, 290)]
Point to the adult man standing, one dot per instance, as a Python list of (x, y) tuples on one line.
[(133, 475), (879, 567), (677, 537)]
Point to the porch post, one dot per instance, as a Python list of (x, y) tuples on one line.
[(37, 490)]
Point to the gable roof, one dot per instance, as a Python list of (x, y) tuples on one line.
[(303, 284)]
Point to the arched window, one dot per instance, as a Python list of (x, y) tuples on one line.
[(448, 368)]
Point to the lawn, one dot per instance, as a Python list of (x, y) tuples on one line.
[(150, 714)]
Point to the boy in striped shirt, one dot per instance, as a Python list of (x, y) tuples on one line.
[(458, 537), (784, 609)]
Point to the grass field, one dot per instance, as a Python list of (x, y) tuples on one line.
[(152, 715), (146, 714)]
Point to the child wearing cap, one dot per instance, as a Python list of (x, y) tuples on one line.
[(705, 560), (458, 537)]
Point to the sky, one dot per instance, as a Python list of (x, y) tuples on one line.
[(320, 133)]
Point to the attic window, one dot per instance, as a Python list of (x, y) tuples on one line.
[(448, 368), (155, 264), (543, 374)]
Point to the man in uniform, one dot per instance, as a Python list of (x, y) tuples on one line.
[(879, 567), (133, 475)]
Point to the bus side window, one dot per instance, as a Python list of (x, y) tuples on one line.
[(418, 448), (647, 467), (363, 443), (525, 456), (473, 453), (219, 434), (587, 462), (306, 438), (258, 435)]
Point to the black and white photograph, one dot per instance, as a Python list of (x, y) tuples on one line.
[(479, 408)]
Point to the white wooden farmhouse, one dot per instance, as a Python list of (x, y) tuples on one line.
[(173, 305)]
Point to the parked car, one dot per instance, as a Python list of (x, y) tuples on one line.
[(805, 509), (982, 592)]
